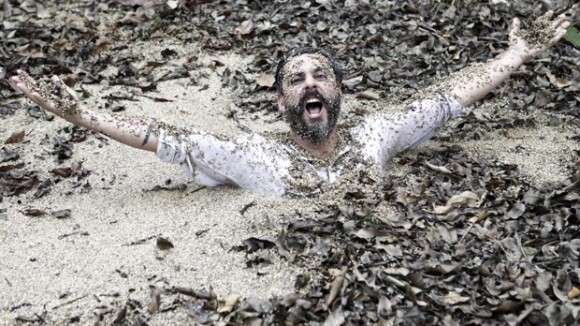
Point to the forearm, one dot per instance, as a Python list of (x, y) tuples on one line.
[(132, 131), (474, 83), (54, 96)]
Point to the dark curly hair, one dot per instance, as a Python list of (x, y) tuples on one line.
[(300, 51)]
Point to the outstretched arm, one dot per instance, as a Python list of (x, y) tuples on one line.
[(474, 83), (255, 163), (56, 97)]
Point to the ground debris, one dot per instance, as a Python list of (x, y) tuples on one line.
[(453, 241)]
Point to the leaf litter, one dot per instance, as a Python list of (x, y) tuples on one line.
[(454, 241)]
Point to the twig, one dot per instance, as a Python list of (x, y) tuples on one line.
[(336, 286), (247, 206), (60, 237), (197, 189), (401, 284), (496, 242), (482, 199), (141, 241), (466, 232), (69, 302), (519, 240)]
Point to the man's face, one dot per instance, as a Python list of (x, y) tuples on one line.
[(311, 99)]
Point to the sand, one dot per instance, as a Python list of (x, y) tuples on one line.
[(92, 258)]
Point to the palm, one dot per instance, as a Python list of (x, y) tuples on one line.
[(538, 36)]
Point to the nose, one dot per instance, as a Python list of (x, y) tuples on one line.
[(310, 81)]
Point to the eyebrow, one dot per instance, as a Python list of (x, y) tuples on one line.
[(296, 74), (301, 74)]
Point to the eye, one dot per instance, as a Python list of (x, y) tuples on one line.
[(295, 80), (321, 76)]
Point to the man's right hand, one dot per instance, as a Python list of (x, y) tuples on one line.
[(56, 97), (53, 96)]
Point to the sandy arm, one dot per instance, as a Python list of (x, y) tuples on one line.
[(131, 131), (250, 163), (473, 83)]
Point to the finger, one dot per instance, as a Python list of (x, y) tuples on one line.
[(559, 20), (33, 96), (22, 87), (42, 102), (55, 79), (515, 27), (565, 25), (13, 81), (547, 15), (60, 83), (25, 76), (559, 34)]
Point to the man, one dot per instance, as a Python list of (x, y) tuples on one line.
[(317, 151)]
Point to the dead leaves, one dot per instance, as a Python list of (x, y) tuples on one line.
[(465, 199), (230, 303), (36, 212), (164, 244), (16, 137), (265, 80), (15, 183), (459, 247), (453, 298), (68, 171)]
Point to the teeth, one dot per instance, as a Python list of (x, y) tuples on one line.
[(312, 100)]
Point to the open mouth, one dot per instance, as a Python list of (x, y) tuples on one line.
[(313, 107)]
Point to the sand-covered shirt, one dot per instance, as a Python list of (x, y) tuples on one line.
[(276, 166)]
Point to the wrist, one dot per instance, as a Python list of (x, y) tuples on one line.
[(514, 57)]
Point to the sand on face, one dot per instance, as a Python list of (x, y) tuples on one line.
[(106, 253)]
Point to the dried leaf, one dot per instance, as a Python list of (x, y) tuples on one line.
[(466, 198), (164, 244), (155, 300), (62, 214), (401, 271), (574, 293), (230, 303), (265, 80), (64, 172), (517, 210), (33, 212), (453, 298), (509, 306), (368, 95), (558, 82), (335, 318), (252, 244), (16, 137), (245, 27)]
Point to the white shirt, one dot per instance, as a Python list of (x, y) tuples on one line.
[(265, 165)]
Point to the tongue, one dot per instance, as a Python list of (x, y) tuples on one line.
[(314, 110)]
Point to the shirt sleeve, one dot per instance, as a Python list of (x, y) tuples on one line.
[(385, 135), (253, 163)]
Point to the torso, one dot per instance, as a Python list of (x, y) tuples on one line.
[(311, 175)]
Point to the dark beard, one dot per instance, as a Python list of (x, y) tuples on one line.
[(317, 132)]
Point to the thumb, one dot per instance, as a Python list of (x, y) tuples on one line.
[(516, 24)]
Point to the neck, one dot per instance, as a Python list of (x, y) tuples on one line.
[(322, 149)]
